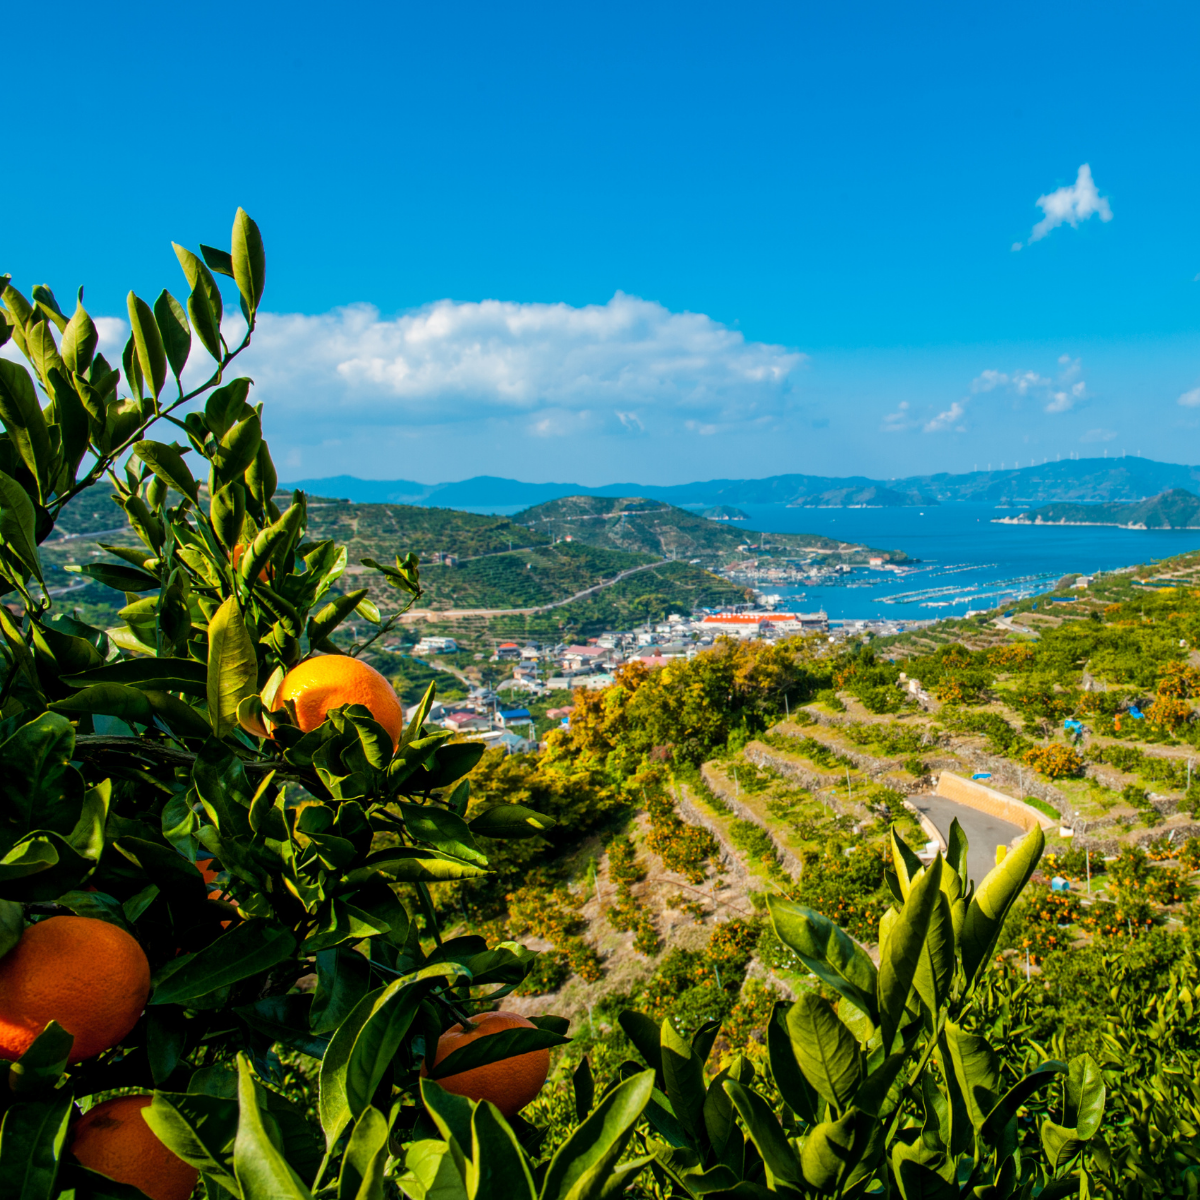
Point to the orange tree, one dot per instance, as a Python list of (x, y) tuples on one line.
[(145, 765)]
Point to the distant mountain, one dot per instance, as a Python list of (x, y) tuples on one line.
[(638, 524), (868, 497), (1088, 480), (1174, 509)]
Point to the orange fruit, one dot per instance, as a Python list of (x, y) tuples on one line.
[(235, 558), (89, 976), (115, 1140), (331, 680), (509, 1084)]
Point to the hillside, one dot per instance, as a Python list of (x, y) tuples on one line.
[(869, 497), (1088, 480), (1175, 509), (634, 523)]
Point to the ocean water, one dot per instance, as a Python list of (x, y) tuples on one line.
[(967, 561)]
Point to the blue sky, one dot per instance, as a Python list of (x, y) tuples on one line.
[(651, 242)]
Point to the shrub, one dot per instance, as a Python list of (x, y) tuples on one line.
[(1055, 762)]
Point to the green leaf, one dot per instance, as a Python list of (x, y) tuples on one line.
[(18, 526), (828, 951), (260, 1167), (508, 1043), (902, 955), (683, 1072), (238, 448), (200, 1129), (249, 260), (204, 304), (155, 674), (408, 864), (79, 341), (12, 925), (770, 1140), (443, 830), (993, 899), (976, 1069), (831, 1150), (507, 820), (176, 333), (584, 1088), (120, 579), (1085, 1094), (232, 666), (432, 1171), (245, 950), (31, 1144), (152, 358), (1006, 1108), (956, 852), (362, 1048), (935, 967), (341, 983), (25, 423), (645, 1035), (451, 1114), (40, 1067), (110, 700), (220, 261), (39, 789), (452, 762), (1060, 1145), (497, 1166), (167, 463), (826, 1051), (582, 1166), (361, 1176), (795, 1089)]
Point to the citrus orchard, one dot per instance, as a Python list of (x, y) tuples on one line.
[(114, 1139), (509, 1084), (331, 680), (89, 976)]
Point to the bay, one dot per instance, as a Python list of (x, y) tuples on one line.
[(967, 561)]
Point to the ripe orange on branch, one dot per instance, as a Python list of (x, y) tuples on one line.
[(114, 1139), (331, 680), (89, 976), (509, 1084)]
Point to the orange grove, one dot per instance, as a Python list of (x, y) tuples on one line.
[(114, 1139), (331, 680), (89, 976), (509, 1084)]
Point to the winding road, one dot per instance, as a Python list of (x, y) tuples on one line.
[(984, 832)]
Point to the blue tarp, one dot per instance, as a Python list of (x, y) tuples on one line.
[(1077, 726), (1136, 713), (982, 775)]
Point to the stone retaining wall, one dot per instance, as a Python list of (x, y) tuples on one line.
[(985, 799), (787, 859)]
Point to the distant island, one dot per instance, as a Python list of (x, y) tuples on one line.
[(724, 512), (868, 497), (1125, 480), (1174, 509)]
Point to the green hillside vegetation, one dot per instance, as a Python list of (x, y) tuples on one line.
[(868, 497), (1174, 509), (652, 527)]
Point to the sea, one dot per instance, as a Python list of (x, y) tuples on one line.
[(967, 560)]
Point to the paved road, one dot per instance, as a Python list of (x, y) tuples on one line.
[(984, 832)]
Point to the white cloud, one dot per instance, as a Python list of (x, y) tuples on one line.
[(1070, 206), (625, 367), (898, 421), (1190, 399), (1056, 395), (948, 419), (1098, 435)]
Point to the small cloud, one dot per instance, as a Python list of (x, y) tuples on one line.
[(631, 421), (898, 421), (1018, 245), (1058, 395), (947, 419), (1098, 435), (1070, 206), (1190, 399)]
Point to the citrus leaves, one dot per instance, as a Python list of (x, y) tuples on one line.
[(247, 949), (232, 666)]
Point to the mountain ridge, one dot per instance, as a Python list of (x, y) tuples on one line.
[(1173, 509), (1095, 480)]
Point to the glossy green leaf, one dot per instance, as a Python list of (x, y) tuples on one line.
[(31, 1144), (905, 945), (583, 1086), (408, 864), (826, 1051), (12, 925), (259, 1165), (497, 1166), (831, 1150), (828, 951), (232, 666), (163, 674), (1017, 1095), (993, 899), (110, 700), (767, 1135), (935, 967), (24, 422), (976, 1069), (432, 1172), (79, 341), (119, 578), (582, 1166), (173, 327), (644, 1033), (146, 336), (199, 1128), (443, 830), (249, 260), (508, 1043), (361, 1176), (18, 526), (167, 463), (795, 1089), (956, 852), (204, 304), (40, 1067), (683, 1072), (509, 820), (248, 949), (1085, 1095), (238, 448)]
